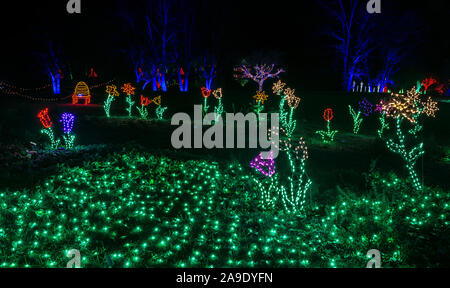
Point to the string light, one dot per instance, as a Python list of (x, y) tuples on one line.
[(130, 105), (261, 97), (112, 92), (160, 112), (328, 135), (205, 93), (157, 100), (44, 117), (293, 101), (68, 120), (264, 166), (145, 101), (357, 119), (430, 107), (81, 92), (410, 156), (218, 110), (365, 107), (384, 124), (128, 89), (409, 107), (403, 105), (278, 87), (259, 73), (428, 82), (160, 202)]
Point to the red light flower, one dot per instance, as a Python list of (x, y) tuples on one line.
[(328, 114), (145, 101), (45, 118), (206, 92)]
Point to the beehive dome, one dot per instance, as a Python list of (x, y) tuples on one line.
[(82, 89)]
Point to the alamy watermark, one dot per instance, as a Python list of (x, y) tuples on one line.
[(374, 6), (375, 262), (213, 137), (76, 260), (73, 6)]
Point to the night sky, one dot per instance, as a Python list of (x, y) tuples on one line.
[(293, 30)]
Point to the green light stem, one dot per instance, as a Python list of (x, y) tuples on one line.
[(130, 105), (54, 144), (107, 105), (69, 140)]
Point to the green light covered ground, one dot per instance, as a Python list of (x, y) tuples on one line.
[(133, 209)]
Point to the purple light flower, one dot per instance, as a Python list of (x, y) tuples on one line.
[(67, 119), (365, 107)]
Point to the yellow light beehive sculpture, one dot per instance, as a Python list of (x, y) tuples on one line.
[(81, 92)]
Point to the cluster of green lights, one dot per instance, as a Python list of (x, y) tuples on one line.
[(205, 106), (143, 112), (258, 107), (54, 143), (138, 210), (384, 125), (327, 135), (69, 140), (219, 109), (408, 154), (130, 105), (107, 105), (160, 112), (357, 119), (287, 122)]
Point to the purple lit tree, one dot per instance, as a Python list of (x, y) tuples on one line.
[(259, 73)]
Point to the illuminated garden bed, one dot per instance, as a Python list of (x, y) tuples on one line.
[(133, 209)]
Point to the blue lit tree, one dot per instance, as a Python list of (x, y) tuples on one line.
[(396, 36), (53, 65), (351, 30)]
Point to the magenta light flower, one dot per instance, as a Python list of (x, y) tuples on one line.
[(264, 166)]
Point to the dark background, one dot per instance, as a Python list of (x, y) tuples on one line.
[(294, 30)]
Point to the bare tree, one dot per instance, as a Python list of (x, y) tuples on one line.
[(351, 31)]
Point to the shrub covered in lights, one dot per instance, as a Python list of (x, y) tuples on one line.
[(133, 209)]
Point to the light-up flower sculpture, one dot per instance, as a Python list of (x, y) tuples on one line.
[(128, 89), (112, 92), (357, 119), (287, 95), (205, 93), (260, 98), (219, 108), (409, 107), (68, 119), (44, 117), (328, 135)]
